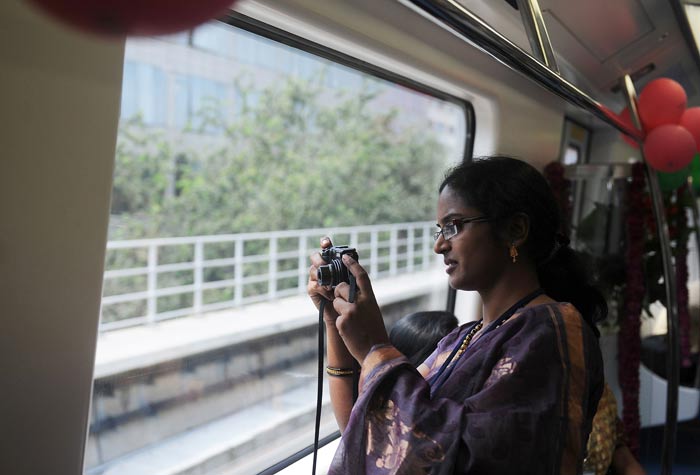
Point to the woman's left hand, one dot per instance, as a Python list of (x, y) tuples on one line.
[(360, 324)]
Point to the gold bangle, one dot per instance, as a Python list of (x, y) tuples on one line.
[(331, 371)]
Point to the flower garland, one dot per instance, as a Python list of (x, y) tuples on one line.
[(629, 342), (678, 233)]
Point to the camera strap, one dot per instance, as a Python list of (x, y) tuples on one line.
[(321, 351), (319, 387), (356, 365), (353, 288)]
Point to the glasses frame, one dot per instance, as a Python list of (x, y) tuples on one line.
[(454, 226)]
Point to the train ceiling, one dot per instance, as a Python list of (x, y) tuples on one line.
[(598, 41)]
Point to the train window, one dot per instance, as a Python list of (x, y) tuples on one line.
[(692, 12), (235, 154), (572, 155), (575, 145)]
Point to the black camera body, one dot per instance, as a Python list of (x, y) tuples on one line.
[(335, 271)]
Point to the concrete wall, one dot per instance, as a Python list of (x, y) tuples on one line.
[(138, 408)]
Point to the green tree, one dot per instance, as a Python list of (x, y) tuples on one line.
[(294, 156)]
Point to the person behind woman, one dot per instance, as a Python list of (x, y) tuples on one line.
[(607, 452), (512, 393), (416, 335)]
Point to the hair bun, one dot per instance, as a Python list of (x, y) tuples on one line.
[(562, 239)]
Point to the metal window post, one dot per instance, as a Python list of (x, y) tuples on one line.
[(198, 276), (427, 246), (410, 247), (303, 263), (238, 272), (152, 284), (374, 253), (393, 251), (272, 269)]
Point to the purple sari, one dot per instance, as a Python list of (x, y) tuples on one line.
[(520, 400)]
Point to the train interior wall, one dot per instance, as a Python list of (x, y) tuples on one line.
[(59, 115)]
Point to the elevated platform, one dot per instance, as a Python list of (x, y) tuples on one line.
[(129, 349), (237, 444), (225, 392)]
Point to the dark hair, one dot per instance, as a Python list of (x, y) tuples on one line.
[(416, 335), (502, 186)]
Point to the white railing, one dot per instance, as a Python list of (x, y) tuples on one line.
[(208, 273)]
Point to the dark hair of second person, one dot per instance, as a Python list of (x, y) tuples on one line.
[(416, 335)]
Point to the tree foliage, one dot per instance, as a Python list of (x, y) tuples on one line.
[(293, 156)]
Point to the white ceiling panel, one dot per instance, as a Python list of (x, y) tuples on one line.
[(603, 27)]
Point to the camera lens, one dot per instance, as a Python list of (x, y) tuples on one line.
[(324, 275), (332, 274)]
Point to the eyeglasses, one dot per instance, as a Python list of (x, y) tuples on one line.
[(451, 229)]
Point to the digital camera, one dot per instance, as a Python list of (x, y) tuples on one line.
[(335, 271)]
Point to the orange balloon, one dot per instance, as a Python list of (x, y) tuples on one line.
[(669, 148), (691, 121), (661, 102), (134, 17)]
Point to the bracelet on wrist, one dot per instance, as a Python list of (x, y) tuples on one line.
[(340, 372)]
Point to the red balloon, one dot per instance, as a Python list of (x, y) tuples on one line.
[(627, 119), (661, 102), (134, 17), (691, 121), (669, 148)]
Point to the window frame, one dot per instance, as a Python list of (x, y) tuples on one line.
[(273, 33), (584, 152), (259, 28)]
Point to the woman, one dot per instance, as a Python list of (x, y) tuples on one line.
[(513, 393)]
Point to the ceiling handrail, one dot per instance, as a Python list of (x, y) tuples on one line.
[(536, 30), (482, 36)]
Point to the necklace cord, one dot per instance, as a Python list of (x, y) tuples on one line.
[(456, 353)]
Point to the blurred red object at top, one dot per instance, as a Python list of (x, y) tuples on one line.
[(118, 18)]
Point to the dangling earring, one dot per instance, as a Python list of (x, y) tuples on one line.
[(513, 252)]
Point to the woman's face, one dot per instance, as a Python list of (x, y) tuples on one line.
[(474, 258)]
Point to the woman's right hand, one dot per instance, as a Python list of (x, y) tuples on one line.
[(337, 353), (317, 292)]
